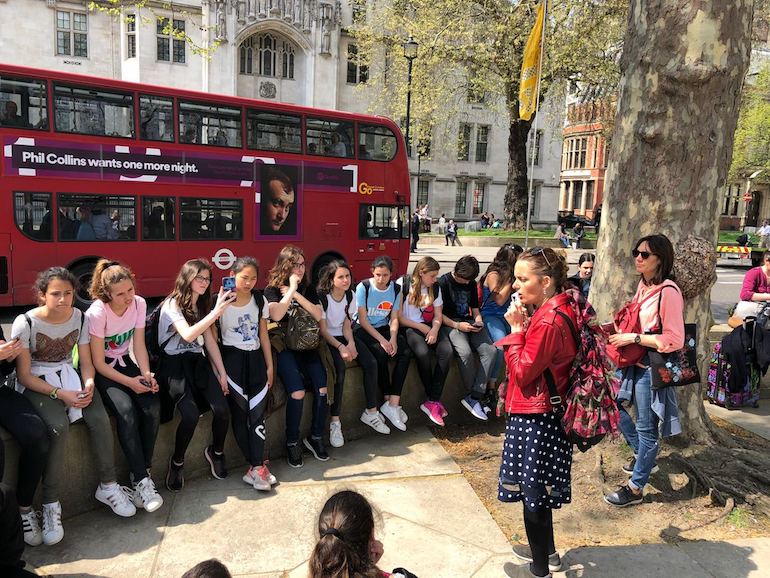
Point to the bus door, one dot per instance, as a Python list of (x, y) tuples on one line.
[(6, 296)]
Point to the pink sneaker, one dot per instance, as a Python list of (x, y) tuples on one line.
[(433, 410), (443, 410)]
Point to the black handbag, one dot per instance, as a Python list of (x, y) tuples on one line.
[(678, 367)]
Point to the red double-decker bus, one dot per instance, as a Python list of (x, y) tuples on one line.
[(154, 176)]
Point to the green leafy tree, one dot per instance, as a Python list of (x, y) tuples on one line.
[(470, 49), (751, 151)]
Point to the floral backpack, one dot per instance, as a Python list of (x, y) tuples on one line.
[(589, 411)]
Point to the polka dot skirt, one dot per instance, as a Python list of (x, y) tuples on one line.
[(537, 458)]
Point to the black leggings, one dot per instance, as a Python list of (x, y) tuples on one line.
[(368, 365), (25, 426), (137, 416), (194, 389), (539, 527), (403, 357), (248, 399), (432, 377)]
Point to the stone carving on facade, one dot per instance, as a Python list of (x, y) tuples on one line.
[(221, 20), (304, 15), (267, 90), (240, 10), (275, 8)]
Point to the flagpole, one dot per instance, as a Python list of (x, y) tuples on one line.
[(536, 126)]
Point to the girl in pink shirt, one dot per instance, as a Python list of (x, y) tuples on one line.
[(661, 318), (115, 321)]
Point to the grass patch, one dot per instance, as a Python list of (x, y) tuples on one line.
[(739, 518)]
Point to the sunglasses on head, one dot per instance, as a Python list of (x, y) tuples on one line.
[(644, 254), (540, 251)]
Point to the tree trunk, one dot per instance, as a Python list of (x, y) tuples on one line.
[(682, 70), (515, 203)]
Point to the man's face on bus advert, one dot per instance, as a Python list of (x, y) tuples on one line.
[(280, 202)]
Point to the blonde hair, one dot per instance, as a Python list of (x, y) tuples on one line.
[(106, 274), (414, 291)]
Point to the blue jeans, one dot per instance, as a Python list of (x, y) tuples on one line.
[(642, 436), (293, 368), (565, 242), (497, 327)]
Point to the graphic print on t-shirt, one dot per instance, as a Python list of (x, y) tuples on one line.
[(462, 301), (382, 310), (115, 341), (246, 328), (53, 350)]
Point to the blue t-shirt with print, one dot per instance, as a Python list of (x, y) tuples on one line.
[(380, 305)]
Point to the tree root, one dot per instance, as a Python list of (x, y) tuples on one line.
[(597, 474)]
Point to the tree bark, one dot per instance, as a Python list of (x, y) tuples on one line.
[(515, 203), (682, 67)]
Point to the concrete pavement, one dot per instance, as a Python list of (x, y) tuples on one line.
[(432, 523)]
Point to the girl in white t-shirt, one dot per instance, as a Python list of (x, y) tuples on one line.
[(420, 320), (248, 361), (194, 381), (339, 307), (129, 390), (46, 373)]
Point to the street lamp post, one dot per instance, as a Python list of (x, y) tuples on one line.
[(410, 53)]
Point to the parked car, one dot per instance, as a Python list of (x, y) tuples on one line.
[(570, 219)]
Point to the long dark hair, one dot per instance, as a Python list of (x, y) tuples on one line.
[(661, 247), (326, 277), (345, 528), (183, 290), (503, 264)]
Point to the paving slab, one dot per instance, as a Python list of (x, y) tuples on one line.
[(753, 419), (749, 558), (410, 478), (652, 560)]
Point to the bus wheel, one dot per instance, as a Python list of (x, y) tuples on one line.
[(83, 273), (320, 263)]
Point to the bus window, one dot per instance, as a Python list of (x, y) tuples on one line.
[(33, 215), (86, 217), (23, 103), (98, 112), (211, 219), (383, 222), (269, 131), (158, 219), (156, 118), (330, 138), (209, 124), (376, 143)]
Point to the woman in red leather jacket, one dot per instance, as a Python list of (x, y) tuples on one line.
[(537, 456)]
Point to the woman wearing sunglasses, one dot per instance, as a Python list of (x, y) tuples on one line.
[(661, 317), (537, 455)]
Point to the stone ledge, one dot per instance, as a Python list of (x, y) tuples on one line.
[(81, 478)]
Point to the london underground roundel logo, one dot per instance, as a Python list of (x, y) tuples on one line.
[(223, 259)]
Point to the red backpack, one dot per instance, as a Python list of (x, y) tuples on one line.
[(627, 321), (589, 411)]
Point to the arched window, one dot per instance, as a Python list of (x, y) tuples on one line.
[(274, 58), (247, 57), (288, 61), (267, 50)]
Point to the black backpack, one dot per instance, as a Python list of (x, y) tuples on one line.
[(367, 284), (151, 336)]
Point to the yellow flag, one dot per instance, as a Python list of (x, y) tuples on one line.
[(530, 67)]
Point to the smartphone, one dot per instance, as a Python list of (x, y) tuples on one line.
[(144, 382), (228, 283), (477, 324)]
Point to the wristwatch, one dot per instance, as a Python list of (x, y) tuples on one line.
[(638, 338), (54, 393)]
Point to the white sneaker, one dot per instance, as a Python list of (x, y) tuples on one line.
[(255, 478), (116, 497), (335, 434), (31, 525), (375, 421), (53, 531), (393, 413), (402, 413), (146, 496)]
